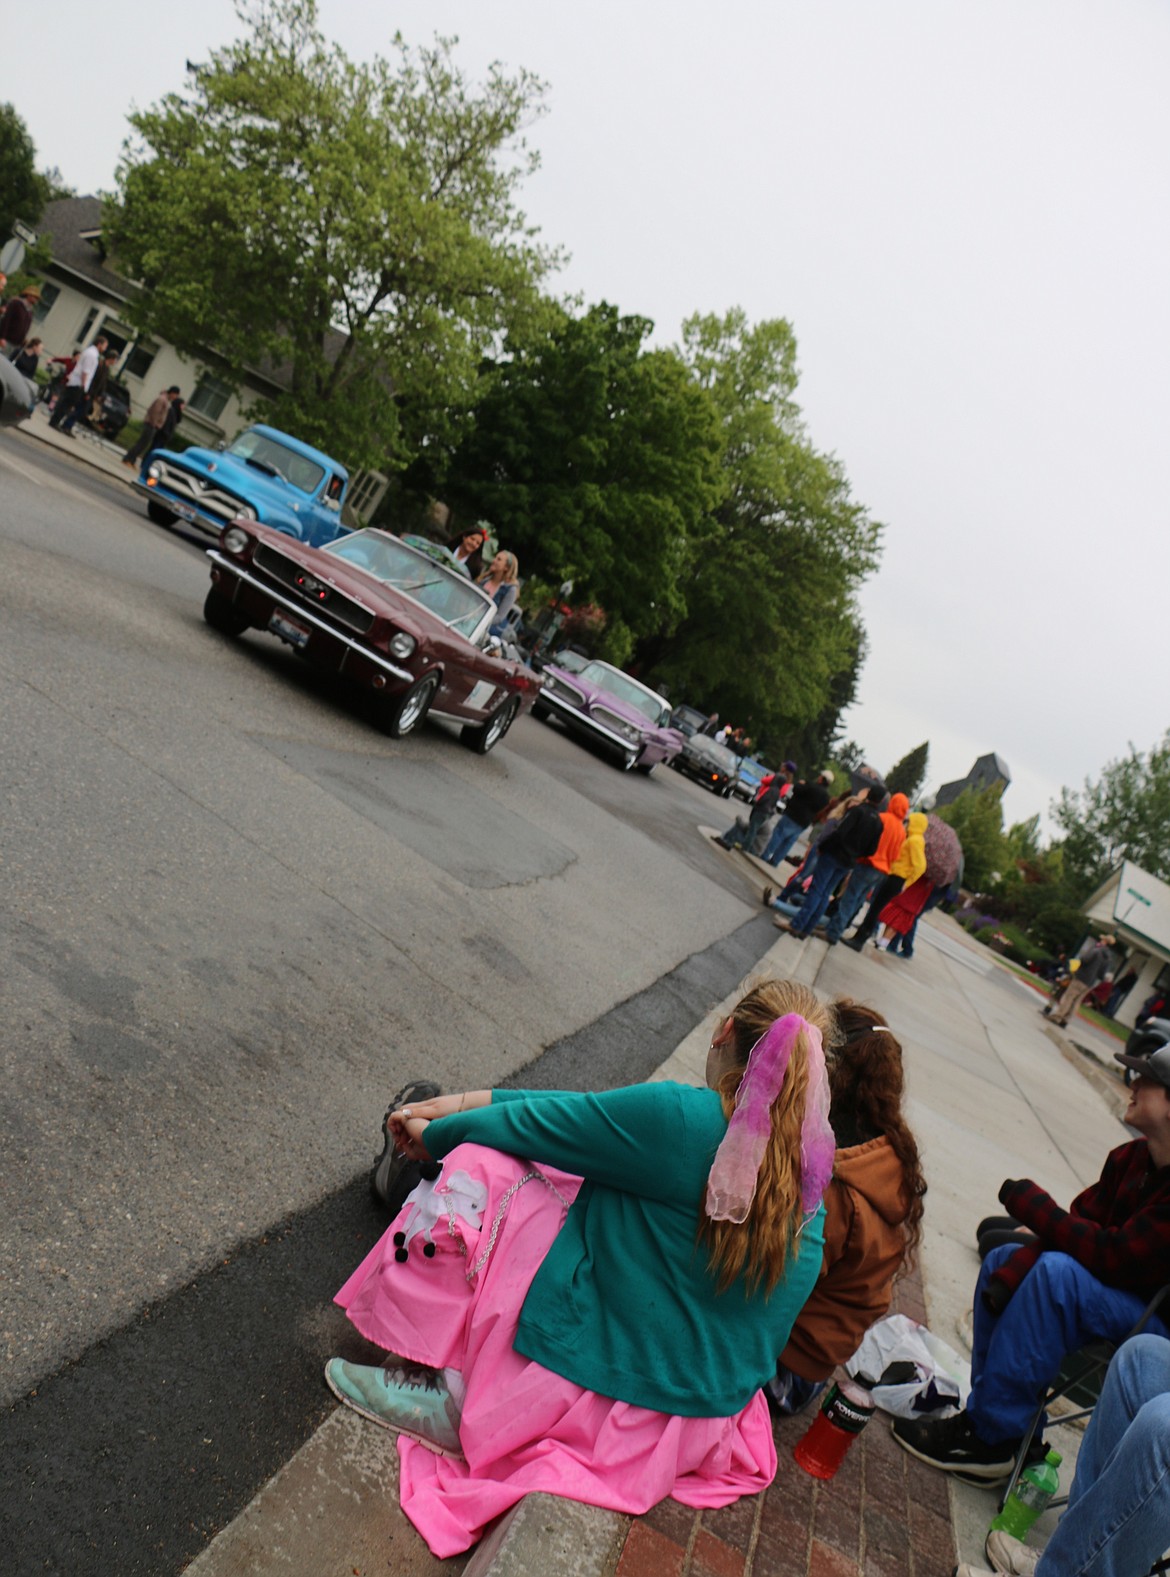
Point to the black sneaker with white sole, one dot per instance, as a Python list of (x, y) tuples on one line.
[(394, 1176), (952, 1445)]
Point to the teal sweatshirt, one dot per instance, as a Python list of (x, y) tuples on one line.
[(623, 1303)]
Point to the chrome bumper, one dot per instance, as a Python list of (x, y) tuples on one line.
[(301, 612)]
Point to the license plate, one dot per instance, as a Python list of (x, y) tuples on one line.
[(184, 511), (289, 630)]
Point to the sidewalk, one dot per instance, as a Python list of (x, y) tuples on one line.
[(87, 447), (993, 1092)]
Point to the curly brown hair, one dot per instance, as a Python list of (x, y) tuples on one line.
[(758, 1248), (866, 1087)]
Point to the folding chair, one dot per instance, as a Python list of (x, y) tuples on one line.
[(1080, 1379)]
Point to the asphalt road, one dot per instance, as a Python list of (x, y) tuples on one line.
[(236, 918)]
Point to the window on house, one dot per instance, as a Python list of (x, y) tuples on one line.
[(49, 294), (210, 397), (137, 364)]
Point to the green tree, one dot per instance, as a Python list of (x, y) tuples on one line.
[(908, 775), (770, 578), (596, 461), (23, 190), (354, 222), (1123, 815), (977, 818)]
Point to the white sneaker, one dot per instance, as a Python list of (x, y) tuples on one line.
[(1010, 1556)]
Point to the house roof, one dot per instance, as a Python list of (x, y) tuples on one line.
[(987, 769), (73, 225)]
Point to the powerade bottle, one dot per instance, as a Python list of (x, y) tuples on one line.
[(1035, 1487), (846, 1410)]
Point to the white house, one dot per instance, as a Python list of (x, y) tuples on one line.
[(1135, 906)]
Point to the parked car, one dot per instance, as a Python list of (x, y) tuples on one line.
[(604, 704), (114, 411), (714, 766), (262, 475), (688, 720), (412, 633), (751, 774)]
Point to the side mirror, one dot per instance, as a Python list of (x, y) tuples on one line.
[(221, 446)]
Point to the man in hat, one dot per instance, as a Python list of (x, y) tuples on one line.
[(153, 425), (1090, 1275), (16, 319), (1094, 962)]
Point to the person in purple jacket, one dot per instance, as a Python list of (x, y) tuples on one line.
[(1090, 1274)]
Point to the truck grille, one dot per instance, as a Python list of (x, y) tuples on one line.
[(336, 604), (620, 725), (204, 495)]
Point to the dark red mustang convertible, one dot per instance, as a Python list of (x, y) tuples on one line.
[(411, 631)]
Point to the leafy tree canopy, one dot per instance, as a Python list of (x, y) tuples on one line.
[(977, 818), (770, 578), (24, 191), (596, 460), (908, 775), (354, 223), (1125, 814)]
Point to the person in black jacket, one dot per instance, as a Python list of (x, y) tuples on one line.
[(855, 837), (763, 806), (805, 803)]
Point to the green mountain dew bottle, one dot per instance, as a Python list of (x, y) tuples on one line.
[(1035, 1487)]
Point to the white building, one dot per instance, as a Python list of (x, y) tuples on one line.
[(1135, 906)]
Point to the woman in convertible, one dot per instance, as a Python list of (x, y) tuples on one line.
[(594, 1291)]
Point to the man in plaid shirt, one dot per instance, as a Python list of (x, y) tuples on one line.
[(1090, 1275)]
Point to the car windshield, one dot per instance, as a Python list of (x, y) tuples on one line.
[(447, 594), (651, 706), (719, 754), (267, 455)]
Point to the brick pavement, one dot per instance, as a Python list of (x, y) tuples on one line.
[(883, 1514)]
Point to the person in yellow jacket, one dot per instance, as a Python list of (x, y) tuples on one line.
[(904, 872)]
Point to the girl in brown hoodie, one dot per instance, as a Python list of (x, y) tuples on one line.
[(873, 1207)]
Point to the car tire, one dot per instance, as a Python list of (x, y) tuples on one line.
[(647, 767), (400, 715), (223, 615), (541, 713), (160, 516), (486, 736)]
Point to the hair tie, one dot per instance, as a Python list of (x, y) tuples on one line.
[(731, 1183)]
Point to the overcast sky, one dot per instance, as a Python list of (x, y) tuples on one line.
[(963, 208)]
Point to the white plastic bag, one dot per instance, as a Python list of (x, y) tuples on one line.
[(940, 1380)]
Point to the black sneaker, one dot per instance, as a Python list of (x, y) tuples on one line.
[(952, 1445), (394, 1176)]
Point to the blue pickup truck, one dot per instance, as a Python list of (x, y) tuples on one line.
[(262, 475)]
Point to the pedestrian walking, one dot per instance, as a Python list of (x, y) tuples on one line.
[(73, 395), (152, 425), (1095, 962)]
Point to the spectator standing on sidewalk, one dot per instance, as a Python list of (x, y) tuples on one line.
[(152, 425), (862, 885), (17, 318), (855, 838), (93, 395), (170, 421), (904, 872), (1096, 961), (1117, 1521), (29, 359), (74, 394), (763, 806), (805, 802)]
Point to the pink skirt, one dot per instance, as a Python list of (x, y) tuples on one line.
[(524, 1429)]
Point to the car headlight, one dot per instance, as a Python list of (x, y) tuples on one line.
[(401, 645), (628, 731), (235, 539)]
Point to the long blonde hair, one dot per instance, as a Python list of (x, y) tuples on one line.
[(758, 1248)]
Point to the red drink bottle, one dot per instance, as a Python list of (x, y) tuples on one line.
[(844, 1414)]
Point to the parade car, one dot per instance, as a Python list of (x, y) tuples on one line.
[(411, 632), (263, 475), (714, 766), (605, 705)]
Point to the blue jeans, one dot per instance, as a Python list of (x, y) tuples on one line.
[(1118, 1518), (785, 835), (733, 835), (1057, 1308), (859, 889), (828, 875)]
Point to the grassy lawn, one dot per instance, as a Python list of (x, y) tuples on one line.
[(1099, 1020)]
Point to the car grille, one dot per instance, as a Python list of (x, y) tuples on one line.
[(620, 725), (206, 496), (335, 603), (563, 692)]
